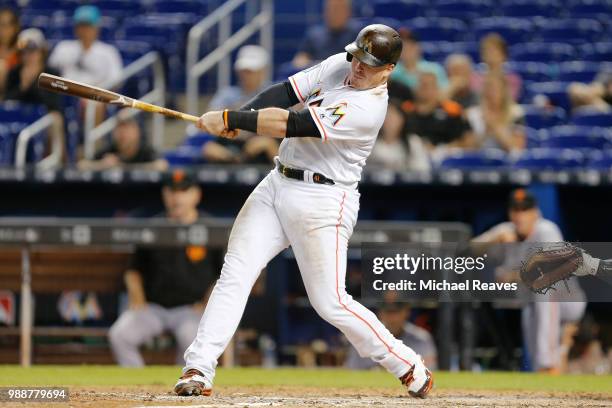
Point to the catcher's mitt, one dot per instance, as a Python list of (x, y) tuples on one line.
[(550, 264)]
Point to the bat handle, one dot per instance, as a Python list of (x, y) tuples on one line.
[(164, 111)]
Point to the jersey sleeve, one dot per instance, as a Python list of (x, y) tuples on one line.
[(343, 121), (306, 81)]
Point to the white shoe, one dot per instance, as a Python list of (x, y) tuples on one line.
[(193, 383), (418, 380)]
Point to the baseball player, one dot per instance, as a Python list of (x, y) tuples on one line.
[(309, 201)]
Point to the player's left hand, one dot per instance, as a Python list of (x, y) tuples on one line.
[(212, 122)]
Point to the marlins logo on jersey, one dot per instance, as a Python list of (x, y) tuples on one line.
[(335, 113)]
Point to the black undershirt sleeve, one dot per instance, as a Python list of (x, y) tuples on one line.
[(279, 95), (301, 124)]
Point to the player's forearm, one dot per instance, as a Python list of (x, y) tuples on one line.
[(135, 288), (272, 122)]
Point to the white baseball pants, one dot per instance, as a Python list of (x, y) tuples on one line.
[(317, 221)]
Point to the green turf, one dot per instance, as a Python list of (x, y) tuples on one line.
[(166, 376)]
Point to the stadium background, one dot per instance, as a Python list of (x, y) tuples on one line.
[(570, 176)]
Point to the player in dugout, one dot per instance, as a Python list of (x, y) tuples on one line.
[(167, 287), (309, 201)]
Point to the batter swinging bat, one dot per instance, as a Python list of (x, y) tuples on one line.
[(68, 87)]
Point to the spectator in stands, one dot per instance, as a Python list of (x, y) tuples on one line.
[(252, 65), (395, 318), (390, 150), (494, 55), (128, 148), (321, 41), (459, 70), (21, 83), (431, 124), (597, 95), (497, 121), (544, 318), (412, 63), (87, 59), (9, 29), (167, 287)]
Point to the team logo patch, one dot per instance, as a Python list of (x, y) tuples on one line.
[(313, 95), (336, 113)]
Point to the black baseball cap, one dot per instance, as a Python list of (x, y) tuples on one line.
[(521, 200), (179, 179)]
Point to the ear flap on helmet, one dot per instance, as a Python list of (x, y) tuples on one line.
[(349, 56)]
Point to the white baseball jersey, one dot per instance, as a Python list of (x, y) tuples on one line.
[(347, 118)]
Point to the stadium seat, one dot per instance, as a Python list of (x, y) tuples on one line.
[(576, 31), (549, 159), (586, 116), (531, 71), (601, 51), (578, 71), (539, 118), (437, 29), (13, 111), (132, 50), (529, 8), (398, 9), (481, 159), (184, 156), (601, 160), (439, 50), (590, 9), (542, 52), (535, 137), (465, 10), (120, 9), (179, 6), (198, 140), (513, 30), (556, 92), (579, 137)]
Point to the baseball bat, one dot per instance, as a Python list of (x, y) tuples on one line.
[(73, 88)]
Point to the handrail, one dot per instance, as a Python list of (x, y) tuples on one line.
[(28, 133), (158, 95), (195, 67)]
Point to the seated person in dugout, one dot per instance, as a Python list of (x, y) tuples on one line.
[(167, 287), (545, 320)]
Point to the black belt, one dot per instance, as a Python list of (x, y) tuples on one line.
[(298, 174)]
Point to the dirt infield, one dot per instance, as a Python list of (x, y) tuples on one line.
[(228, 397)]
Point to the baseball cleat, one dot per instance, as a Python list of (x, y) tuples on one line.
[(418, 380), (193, 383)]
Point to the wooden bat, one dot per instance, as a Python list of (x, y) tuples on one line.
[(73, 88)]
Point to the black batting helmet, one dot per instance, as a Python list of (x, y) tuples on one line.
[(376, 45)]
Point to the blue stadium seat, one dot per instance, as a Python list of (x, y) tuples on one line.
[(184, 156), (578, 71), (556, 92), (13, 111), (579, 137), (198, 140), (439, 50), (120, 9), (7, 145), (590, 117), (535, 137), (398, 9), (39, 21), (601, 51), (286, 70), (531, 71), (480, 159), (549, 159), (132, 50), (437, 29), (529, 8), (465, 10), (179, 6), (513, 30), (576, 31), (590, 9), (541, 52), (601, 160), (64, 29), (540, 118)]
